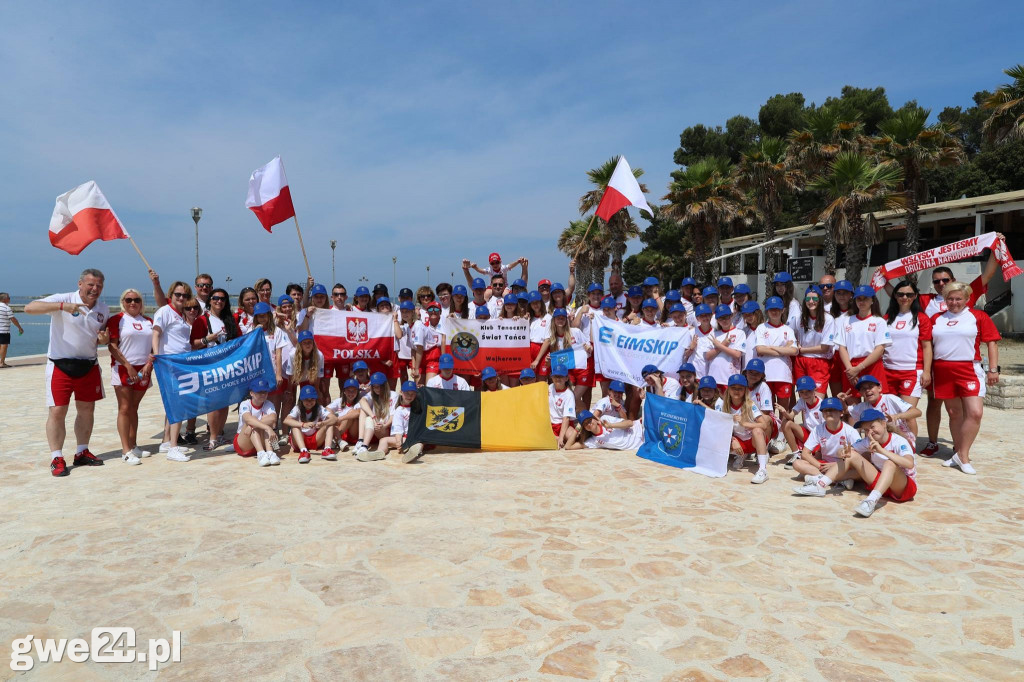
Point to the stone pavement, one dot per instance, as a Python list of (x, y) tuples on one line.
[(518, 566)]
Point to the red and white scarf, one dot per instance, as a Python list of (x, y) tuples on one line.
[(940, 255)]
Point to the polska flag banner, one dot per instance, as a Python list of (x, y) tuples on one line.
[(498, 343), (347, 336), (82, 216), (940, 255), (621, 350), (686, 436)]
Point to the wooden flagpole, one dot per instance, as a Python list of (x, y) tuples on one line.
[(146, 262), (301, 245), (584, 240)]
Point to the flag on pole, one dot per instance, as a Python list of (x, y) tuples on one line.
[(269, 197), (82, 216), (623, 190)]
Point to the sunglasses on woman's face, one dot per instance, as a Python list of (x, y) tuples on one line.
[(178, 294), (133, 300), (218, 298), (812, 299), (905, 294), (192, 307)]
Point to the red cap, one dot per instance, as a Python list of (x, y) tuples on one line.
[(543, 282), (494, 258), (434, 304)]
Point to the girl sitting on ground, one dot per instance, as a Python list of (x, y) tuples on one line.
[(312, 426), (400, 425), (824, 442)]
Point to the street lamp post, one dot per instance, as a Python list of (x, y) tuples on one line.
[(197, 213), (428, 275), (394, 276), (334, 244)]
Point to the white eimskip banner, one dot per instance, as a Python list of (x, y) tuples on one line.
[(621, 350)]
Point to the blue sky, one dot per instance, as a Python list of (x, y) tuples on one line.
[(428, 131)]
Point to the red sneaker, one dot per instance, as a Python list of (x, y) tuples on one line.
[(87, 459), (58, 467), (930, 449), (304, 457), (328, 454)]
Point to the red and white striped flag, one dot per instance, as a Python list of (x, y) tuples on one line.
[(82, 216), (269, 197), (623, 190)]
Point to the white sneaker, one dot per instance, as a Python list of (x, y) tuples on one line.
[(368, 455), (792, 458), (273, 458), (846, 483), (263, 458), (412, 453), (737, 462), (130, 458), (965, 467), (139, 452), (865, 508), (343, 446), (272, 442), (360, 449), (811, 489), (760, 477), (177, 455), (165, 447), (778, 445)]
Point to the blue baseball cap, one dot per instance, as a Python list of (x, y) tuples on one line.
[(482, 312), (649, 303), (307, 392), (742, 289), (688, 282), (608, 302), (677, 308), (351, 383), (557, 286), (359, 364), (723, 311), (725, 281), (519, 283), (459, 290), (710, 291), (285, 298), (868, 379), (446, 361), (774, 303), (783, 277), (584, 416), (843, 285), (635, 291), (650, 281), (259, 386), (317, 289), (262, 308), (478, 283), (378, 379), (869, 416), (362, 291), (707, 382), (806, 384), (688, 367), (864, 290), (528, 373), (408, 386), (702, 309), (755, 365), (305, 335), (738, 380), (383, 299), (673, 295), (814, 288), (559, 312), (649, 369), (511, 299), (534, 296), (407, 305), (594, 286), (488, 373), (559, 371), (617, 386), (832, 404), (750, 307)]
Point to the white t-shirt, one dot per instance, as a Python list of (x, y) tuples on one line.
[(426, 336), (339, 408), (561, 405), (763, 398), (860, 336), (74, 336), (134, 336), (905, 352), (721, 367), (698, 358), (399, 416), (897, 445), (258, 412), (473, 306), (175, 332), (888, 404), (276, 340), (959, 337), (739, 431), (5, 318), (405, 344), (540, 328), (827, 444), (669, 386), (617, 439), (573, 337), (245, 322), (811, 413), (319, 414), (811, 337), (776, 367), (456, 383), (620, 305), (604, 406), (717, 407), (288, 363)]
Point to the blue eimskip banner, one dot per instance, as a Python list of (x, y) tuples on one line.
[(686, 436), (205, 380)]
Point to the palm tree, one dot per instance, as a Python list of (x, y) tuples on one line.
[(826, 132), (853, 184), (1007, 105), (766, 172), (704, 196), (906, 139), (591, 253), (620, 227)]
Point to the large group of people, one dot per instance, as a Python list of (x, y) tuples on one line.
[(821, 374)]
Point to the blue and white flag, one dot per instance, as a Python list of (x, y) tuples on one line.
[(686, 436), (622, 350), (570, 358), (206, 380)]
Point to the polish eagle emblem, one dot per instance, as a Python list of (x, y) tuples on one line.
[(355, 330)]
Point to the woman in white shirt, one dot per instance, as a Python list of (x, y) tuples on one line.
[(131, 340), (815, 335), (775, 344), (172, 334)]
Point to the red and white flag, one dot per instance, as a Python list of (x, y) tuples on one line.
[(269, 196), (345, 336), (623, 190), (82, 216)]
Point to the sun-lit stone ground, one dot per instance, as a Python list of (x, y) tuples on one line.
[(529, 566)]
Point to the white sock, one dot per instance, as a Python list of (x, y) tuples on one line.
[(56, 454), (304, 451), (824, 481), (81, 448), (875, 496), (762, 462)]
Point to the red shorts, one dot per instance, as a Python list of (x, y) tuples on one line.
[(60, 387), (904, 381), (908, 492), (310, 442), (836, 370), (543, 369), (473, 381), (349, 438), (430, 359), (781, 389), (815, 368), (600, 379), (282, 386), (957, 379), (876, 370), (746, 445), (402, 363), (585, 377), (240, 452), (119, 377), (557, 428), (804, 434), (339, 368)]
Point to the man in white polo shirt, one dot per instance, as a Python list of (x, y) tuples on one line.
[(77, 326)]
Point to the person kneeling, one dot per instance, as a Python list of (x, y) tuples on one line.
[(312, 426), (605, 433)]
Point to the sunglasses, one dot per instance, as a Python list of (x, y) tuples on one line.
[(203, 286), (191, 307), (942, 281), (179, 295), (338, 294), (827, 286), (133, 300), (905, 294), (218, 298), (812, 299)]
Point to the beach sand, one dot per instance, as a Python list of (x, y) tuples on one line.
[(531, 565)]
